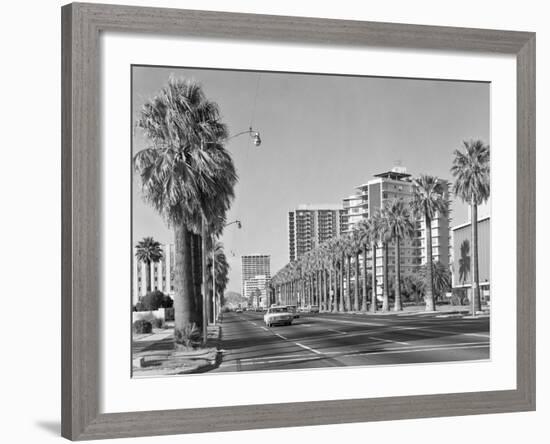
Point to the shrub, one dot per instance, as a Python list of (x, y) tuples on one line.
[(152, 300), (169, 314), (189, 336), (142, 326), (167, 302), (157, 323)]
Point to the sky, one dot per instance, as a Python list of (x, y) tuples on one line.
[(322, 136)]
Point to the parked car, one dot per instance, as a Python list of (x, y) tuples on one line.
[(239, 310), (314, 309), (292, 309), (278, 315)]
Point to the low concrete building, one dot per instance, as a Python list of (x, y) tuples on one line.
[(462, 257)]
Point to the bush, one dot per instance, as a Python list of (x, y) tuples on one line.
[(157, 323), (152, 301), (190, 336), (142, 326), (169, 314), (167, 302)]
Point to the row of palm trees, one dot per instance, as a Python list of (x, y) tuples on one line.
[(188, 177), (323, 276)]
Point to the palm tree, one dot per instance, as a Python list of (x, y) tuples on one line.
[(148, 251), (471, 169), (368, 237), (340, 253), (221, 271), (440, 275), (384, 237), (187, 176), (356, 248), (400, 227), (429, 201)]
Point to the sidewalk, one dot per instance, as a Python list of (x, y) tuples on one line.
[(154, 354)]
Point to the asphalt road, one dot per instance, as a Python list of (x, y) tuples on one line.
[(338, 340)]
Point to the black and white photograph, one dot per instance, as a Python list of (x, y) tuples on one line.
[(284, 221)]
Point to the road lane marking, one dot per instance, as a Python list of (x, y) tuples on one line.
[(353, 322), (265, 328), (281, 336), (389, 340), (309, 348), (417, 350), (337, 331), (276, 357)]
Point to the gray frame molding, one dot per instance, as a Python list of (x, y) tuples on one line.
[(81, 167)]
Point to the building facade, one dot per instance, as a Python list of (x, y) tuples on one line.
[(162, 274), (256, 275), (255, 291), (311, 225), (372, 197), (461, 257)]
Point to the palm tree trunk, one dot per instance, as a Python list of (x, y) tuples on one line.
[(429, 295), (374, 300), (397, 303), (325, 290), (385, 280), (330, 306), (321, 301), (348, 284), (476, 297), (342, 277), (148, 281), (204, 272), (184, 303), (364, 303), (357, 284), (196, 277)]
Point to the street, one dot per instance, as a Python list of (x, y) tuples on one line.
[(337, 340)]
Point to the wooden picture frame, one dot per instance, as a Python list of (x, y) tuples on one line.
[(81, 25)]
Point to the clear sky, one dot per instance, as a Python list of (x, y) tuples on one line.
[(321, 137)]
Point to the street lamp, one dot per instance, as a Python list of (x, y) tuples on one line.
[(255, 136), (257, 141)]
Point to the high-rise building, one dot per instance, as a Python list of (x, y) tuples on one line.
[(373, 196), (311, 225), (256, 274), (162, 274)]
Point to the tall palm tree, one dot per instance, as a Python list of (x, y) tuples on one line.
[(186, 175), (148, 251), (340, 253), (221, 270), (384, 238), (400, 227), (355, 249), (471, 170), (429, 201), (440, 275), (368, 236), (333, 256)]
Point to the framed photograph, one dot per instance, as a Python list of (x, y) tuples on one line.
[(278, 221)]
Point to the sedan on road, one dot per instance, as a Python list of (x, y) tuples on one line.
[(278, 315)]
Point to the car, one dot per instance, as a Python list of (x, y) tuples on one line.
[(278, 315), (292, 309), (314, 309), (239, 310)]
